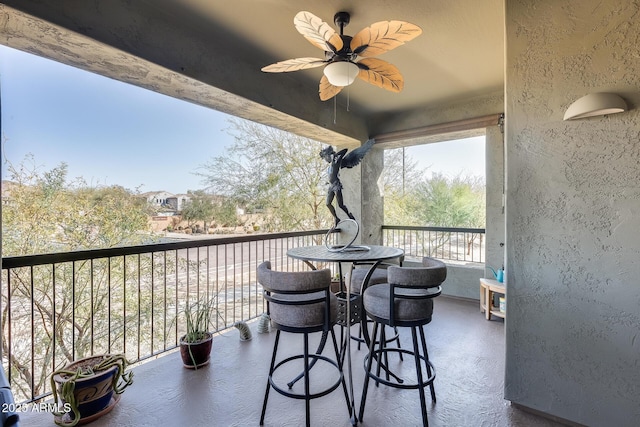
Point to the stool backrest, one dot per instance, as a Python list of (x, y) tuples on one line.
[(416, 287), (430, 275), (297, 300), (298, 282)]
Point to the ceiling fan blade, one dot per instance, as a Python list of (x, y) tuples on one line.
[(327, 90), (318, 32), (380, 73), (293, 65), (382, 37)]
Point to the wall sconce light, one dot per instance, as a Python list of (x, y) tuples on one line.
[(341, 73), (595, 104)]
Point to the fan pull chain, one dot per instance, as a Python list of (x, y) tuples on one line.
[(348, 97), (335, 106)]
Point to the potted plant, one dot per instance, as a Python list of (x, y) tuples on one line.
[(195, 345), (89, 388)]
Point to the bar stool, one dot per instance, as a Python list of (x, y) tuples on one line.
[(362, 277), (405, 301), (301, 303)]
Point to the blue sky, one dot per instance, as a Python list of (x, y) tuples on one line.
[(110, 132)]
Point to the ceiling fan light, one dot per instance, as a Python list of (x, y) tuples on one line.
[(341, 73)]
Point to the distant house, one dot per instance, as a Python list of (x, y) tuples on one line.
[(158, 199), (178, 201)]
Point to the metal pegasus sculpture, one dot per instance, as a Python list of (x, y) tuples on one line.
[(337, 161)]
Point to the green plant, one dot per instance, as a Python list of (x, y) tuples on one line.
[(121, 380), (198, 319)]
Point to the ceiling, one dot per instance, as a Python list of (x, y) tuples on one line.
[(458, 57), (460, 51)]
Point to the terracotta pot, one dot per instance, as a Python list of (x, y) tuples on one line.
[(196, 355), (94, 395)]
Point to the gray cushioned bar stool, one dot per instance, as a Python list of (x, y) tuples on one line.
[(301, 303), (361, 277), (405, 301)]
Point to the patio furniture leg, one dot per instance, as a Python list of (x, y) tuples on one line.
[(429, 370), (379, 358), (381, 344), (273, 362), (416, 353), (398, 342), (369, 361), (343, 345), (344, 383), (307, 400)]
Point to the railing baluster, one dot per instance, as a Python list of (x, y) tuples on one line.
[(165, 332), (198, 273), (9, 329), (53, 316), (91, 297), (226, 282), (140, 307), (153, 287), (33, 329), (208, 293), (235, 274), (217, 284), (249, 277), (457, 244), (124, 304), (188, 274), (177, 308)]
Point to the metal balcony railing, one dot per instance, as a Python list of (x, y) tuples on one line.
[(445, 243), (60, 307)]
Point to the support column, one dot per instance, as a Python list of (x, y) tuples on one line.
[(495, 219), (372, 216), (363, 197)]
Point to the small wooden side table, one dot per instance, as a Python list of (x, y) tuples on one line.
[(487, 288)]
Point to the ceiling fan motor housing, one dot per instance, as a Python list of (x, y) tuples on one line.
[(346, 53), (341, 19), (341, 53)]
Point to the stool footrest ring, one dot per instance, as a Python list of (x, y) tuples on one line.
[(428, 380), (324, 392)]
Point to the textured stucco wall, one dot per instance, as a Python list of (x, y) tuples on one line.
[(494, 175), (573, 211)]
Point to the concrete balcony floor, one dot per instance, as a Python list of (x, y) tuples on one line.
[(466, 350)]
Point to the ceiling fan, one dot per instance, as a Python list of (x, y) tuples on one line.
[(349, 57)]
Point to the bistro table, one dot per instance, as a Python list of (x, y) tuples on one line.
[(372, 254)]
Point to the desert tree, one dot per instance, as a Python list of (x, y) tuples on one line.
[(64, 311), (199, 207), (272, 172)]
